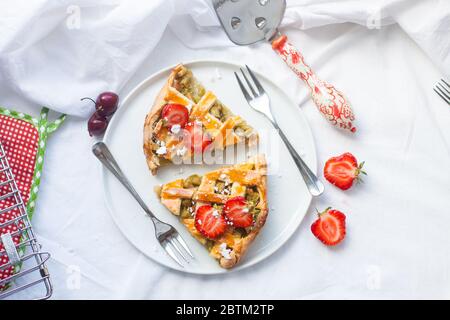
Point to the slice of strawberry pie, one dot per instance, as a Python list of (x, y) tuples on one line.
[(186, 119), (224, 209)]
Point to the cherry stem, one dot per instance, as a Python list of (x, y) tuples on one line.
[(87, 98)]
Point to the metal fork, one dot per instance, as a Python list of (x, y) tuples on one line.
[(260, 101), (167, 235), (442, 88)]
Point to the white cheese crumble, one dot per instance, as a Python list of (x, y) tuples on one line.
[(161, 150), (216, 213), (175, 129), (224, 251), (199, 222), (225, 178), (245, 210)]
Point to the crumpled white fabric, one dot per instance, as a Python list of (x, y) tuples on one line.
[(49, 46)]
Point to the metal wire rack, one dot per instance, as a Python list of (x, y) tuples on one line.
[(25, 263)]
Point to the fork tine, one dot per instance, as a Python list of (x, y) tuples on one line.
[(443, 88), (255, 80), (255, 94), (443, 92), (171, 253), (174, 244), (244, 91), (184, 245), (442, 96), (448, 85)]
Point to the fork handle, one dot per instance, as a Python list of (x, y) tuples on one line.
[(102, 152), (314, 185), (331, 103)]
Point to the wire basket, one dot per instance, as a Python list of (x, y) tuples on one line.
[(22, 263)]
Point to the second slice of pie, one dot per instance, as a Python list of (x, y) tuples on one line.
[(186, 119), (224, 209)]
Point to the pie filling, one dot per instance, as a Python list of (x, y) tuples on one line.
[(186, 83)]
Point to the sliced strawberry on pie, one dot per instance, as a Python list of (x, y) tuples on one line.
[(175, 114), (238, 213), (210, 222)]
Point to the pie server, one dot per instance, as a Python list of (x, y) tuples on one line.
[(249, 21)]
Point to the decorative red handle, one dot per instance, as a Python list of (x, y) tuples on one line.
[(330, 102)]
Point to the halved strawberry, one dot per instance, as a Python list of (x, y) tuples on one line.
[(175, 114), (196, 138), (343, 170), (237, 212), (330, 227), (209, 222)]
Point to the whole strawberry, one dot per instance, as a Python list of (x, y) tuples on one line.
[(343, 170), (330, 227)]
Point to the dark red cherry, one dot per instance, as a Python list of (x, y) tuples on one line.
[(107, 103), (97, 125)]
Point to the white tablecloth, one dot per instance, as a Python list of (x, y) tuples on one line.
[(397, 244)]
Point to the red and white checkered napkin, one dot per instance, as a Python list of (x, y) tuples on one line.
[(20, 140)]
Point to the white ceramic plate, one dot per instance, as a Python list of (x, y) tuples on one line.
[(288, 196)]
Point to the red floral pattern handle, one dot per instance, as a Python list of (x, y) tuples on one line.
[(331, 103)]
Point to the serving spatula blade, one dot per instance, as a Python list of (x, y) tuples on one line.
[(249, 21)]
